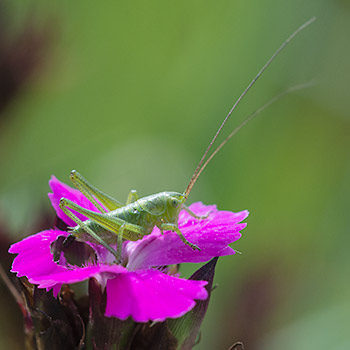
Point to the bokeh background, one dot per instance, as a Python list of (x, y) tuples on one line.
[(130, 93)]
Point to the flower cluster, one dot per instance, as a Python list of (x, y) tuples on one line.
[(142, 286)]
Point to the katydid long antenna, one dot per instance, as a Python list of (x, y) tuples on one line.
[(249, 118), (201, 165)]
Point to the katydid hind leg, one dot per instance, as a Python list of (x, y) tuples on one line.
[(64, 205), (91, 192), (110, 223), (120, 239)]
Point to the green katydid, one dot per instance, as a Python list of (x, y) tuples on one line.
[(139, 216)]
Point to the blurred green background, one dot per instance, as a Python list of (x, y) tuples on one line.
[(130, 93)]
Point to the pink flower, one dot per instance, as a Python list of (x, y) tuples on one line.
[(140, 287)]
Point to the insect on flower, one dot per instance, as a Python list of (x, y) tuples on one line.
[(137, 218), (142, 285)]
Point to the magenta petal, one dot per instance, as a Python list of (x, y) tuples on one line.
[(35, 261), (72, 275), (34, 258), (59, 190), (55, 289), (151, 296), (66, 275), (211, 235)]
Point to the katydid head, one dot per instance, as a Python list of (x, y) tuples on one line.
[(174, 203), (204, 160), (164, 205)]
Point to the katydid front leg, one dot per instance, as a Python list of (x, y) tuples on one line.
[(132, 197), (174, 228), (202, 217)]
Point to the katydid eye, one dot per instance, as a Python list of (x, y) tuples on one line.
[(174, 203)]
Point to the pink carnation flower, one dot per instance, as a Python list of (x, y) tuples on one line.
[(140, 287)]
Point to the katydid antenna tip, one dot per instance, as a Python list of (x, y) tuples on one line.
[(311, 20)]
